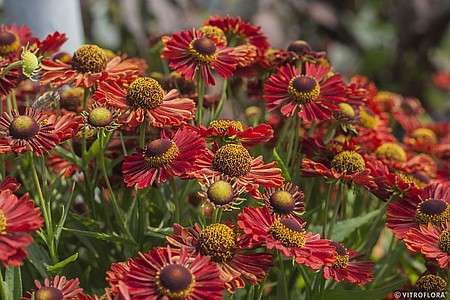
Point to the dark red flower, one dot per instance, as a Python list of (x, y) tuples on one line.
[(51, 43), (57, 288), (227, 248), (13, 38), (163, 158), (116, 274), (284, 200), (165, 273), (287, 235), (313, 92)]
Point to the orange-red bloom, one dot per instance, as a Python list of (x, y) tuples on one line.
[(56, 288)]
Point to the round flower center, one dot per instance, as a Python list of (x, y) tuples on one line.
[(431, 283), (222, 125), (347, 110), (145, 93), (30, 64), (203, 49), (348, 162), (175, 281), (2, 222), (218, 241), (160, 152), (100, 117), (232, 160), (89, 59), (342, 257), (410, 179), (368, 120), (214, 32), (425, 134), (282, 202), (304, 89), (444, 241), (48, 293), (434, 211), (299, 47), (9, 42), (289, 232), (220, 192), (23, 127), (391, 151)]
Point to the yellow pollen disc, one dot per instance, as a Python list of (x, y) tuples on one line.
[(160, 152), (391, 151), (341, 261), (203, 49), (220, 192), (175, 281), (368, 120), (145, 93), (348, 162), (410, 179), (2, 222), (89, 59), (425, 134), (347, 110), (23, 127), (282, 202), (222, 125), (100, 117), (218, 241), (304, 89), (232, 160), (289, 237), (384, 96), (9, 42), (214, 33), (431, 283), (444, 241)]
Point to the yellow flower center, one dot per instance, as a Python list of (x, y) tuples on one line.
[(347, 110), (160, 152), (391, 151), (410, 179), (145, 93), (384, 96), (222, 125), (425, 134), (232, 160), (282, 202), (23, 127), (348, 162), (444, 241), (213, 32), (89, 59), (48, 293), (218, 241), (2, 222), (434, 211), (368, 120), (175, 281), (304, 89), (100, 117), (9, 42), (431, 283), (203, 49), (289, 232), (220, 193)]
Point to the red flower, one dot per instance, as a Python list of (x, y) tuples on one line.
[(227, 249), (13, 38), (89, 66), (145, 98), (61, 166), (432, 241), (10, 80), (429, 205), (287, 235), (51, 43), (192, 54), (57, 288), (284, 200), (348, 268), (18, 219), (116, 274), (164, 273), (163, 158), (314, 92)]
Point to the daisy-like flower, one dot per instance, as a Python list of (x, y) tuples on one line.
[(429, 205), (193, 54), (165, 273), (10, 80), (13, 38), (34, 131), (18, 219), (284, 200), (222, 192), (56, 288), (89, 66), (234, 160), (143, 99), (100, 116), (432, 241), (115, 275), (348, 268), (287, 235), (227, 248), (313, 92), (163, 158)]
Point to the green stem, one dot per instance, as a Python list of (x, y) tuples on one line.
[(282, 277), (340, 199), (221, 101), (142, 128), (9, 67), (201, 95), (325, 212)]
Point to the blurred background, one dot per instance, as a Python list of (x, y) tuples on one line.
[(403, 45)]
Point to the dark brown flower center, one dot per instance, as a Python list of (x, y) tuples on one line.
[(204, 46), (89, 59), (348, 162), (431, 283), (218, 241), (48, 293), (282, 202), (444, 241), (434, 211), (9, 42), (160, 152), (175, 281), (23, 127), (299, 47), (304, 89), (220, 193), (100, 117), (289, 232), (145, 93), (342, 257), (232, 160)]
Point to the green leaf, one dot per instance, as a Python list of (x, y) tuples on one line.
[(62, 264), (344, 228), (14, 281), (99, 235), (331, 131), (70, 156), (39, 258), (282, 165), (5, 293), (93, 150)]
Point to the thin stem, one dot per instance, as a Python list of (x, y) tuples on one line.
[(221, 101), (9, 67), (201, 95), (282, 277), (142, 128), (327, 204)]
